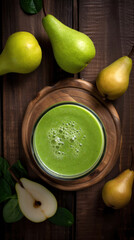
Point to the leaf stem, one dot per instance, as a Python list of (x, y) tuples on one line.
[(13, 196), (15, 178), (131, 52), (44, 10)]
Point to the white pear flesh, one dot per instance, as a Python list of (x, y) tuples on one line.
[(36, 202)]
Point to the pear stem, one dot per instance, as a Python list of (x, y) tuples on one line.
[(131, 52), (104, 97), (44, 10), (15, 178)]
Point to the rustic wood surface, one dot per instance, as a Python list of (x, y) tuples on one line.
[(110, 24)]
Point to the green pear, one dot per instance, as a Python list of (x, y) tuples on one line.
[(22, 54), (72, 49), (36, 202), (113, 80), (117, 192)]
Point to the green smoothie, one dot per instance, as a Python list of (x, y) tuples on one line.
[(68, 140)]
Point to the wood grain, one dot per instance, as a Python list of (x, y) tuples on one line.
[(18, 90), (110, 24), (1, 119)]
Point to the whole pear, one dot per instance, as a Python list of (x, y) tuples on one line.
[(22, 54), (117, 192), (113, 80), (72, 49), (36, 202)]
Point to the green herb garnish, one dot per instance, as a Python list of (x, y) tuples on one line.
[(5, 190), (18, 170), (4, 172), (62, 217), (31, 6), (11, 211)]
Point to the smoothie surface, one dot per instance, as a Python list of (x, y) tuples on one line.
[(68, 140)]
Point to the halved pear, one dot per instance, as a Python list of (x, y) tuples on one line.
[(36, 202)]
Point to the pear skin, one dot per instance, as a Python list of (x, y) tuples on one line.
[(22, 54), (72, 49), (113, 81), (117, 192)]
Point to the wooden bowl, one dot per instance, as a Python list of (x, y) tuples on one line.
[(74, 90)]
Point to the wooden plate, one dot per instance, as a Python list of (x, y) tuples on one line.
[(75, 90)]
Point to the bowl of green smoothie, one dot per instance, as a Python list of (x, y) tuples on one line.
[(68, 141)]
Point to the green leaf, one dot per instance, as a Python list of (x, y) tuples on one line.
[(18, 170), (62, 217), (31, 6), (5, 190), (11, 211), (4, 172)]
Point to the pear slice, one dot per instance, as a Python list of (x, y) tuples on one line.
[(36, 202)]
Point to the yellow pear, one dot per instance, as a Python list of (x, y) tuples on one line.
[(22, 54), (113, 80), (117, 192)]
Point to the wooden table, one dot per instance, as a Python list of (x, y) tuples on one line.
[(110, 24)]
